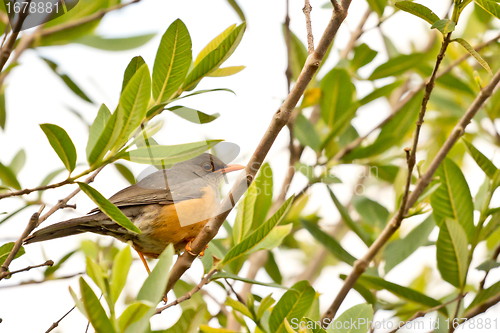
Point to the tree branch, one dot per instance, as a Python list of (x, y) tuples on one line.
[(279, 120), (33, 222), (6, 51), (422, 183), (189, 294), (47, 263), (310, 38), (55, 324)]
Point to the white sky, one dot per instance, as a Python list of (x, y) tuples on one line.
[(34, 97)]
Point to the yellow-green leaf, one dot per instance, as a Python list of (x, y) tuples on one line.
[(473, 53), (62, 144)]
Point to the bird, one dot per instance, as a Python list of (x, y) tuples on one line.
[(170, 206)]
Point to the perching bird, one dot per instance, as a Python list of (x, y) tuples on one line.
[(169, 207)]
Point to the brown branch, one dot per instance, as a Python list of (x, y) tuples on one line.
[(310, 38), (33, 222), (35, 189), (6, 51), (279, 120), (55, 324), (189, 294), (47, 263), (420, 314), (481, 308), (412, 154), (361, 265)]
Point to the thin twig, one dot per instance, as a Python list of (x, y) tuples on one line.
[(493, 258), (240, 299), (6, 51), (420, 314), (310, 38), (33, 222), (361, 265), (189, 294), (280, 119), (55, 324), (47, 263)]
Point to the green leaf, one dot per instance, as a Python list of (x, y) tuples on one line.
[(452, 253), (288, 327), (306, 134), (193, 115), (361, 315), (96, 131), (96, 314), (298, 53), (253, 240), (18, 161), (293, 304), (238, 306), (155, 155), (121, 266), (95, 272), (482, 161), (244, 215), (226, 71), (133, 105), (274, 238), (453, 199), (264, 184), (214, 58), (132, 67), (362, 290), (397, 66), (172, 62), (445, 26), (49, 272), (78, 302), (272, 269), (67, 80), (371, 212), (314, 324), (8, 177), (212, 45), (417, 10), (62, 144), (153, 288), (355, 227), (104, 140), (329, 242), (189, 322), (473, 53), (125, 172), (400, 249), (392, 132), (198, 93), (265, 304), (337, 93), (108, 208), (237, 9), (363, 55), (133, 313), (374, 282), (6, 248), (377, 6), (485, 295), (114, 44), (490, 6), (488, 265)]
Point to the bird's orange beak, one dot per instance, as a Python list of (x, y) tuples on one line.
[(232, 167)]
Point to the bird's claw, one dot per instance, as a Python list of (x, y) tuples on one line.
[(189, 250)]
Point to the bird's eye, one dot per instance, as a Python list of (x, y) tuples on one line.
[(207, 167)]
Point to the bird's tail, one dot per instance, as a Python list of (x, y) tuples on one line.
[(66, 228)]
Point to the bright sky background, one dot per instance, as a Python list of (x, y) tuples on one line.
[(34, 97)]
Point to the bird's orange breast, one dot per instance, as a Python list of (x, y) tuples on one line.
[(175, 224)]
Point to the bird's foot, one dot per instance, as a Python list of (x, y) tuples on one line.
[(189, 250), (165, 299)]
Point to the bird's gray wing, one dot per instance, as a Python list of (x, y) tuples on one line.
[(155, 190)]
